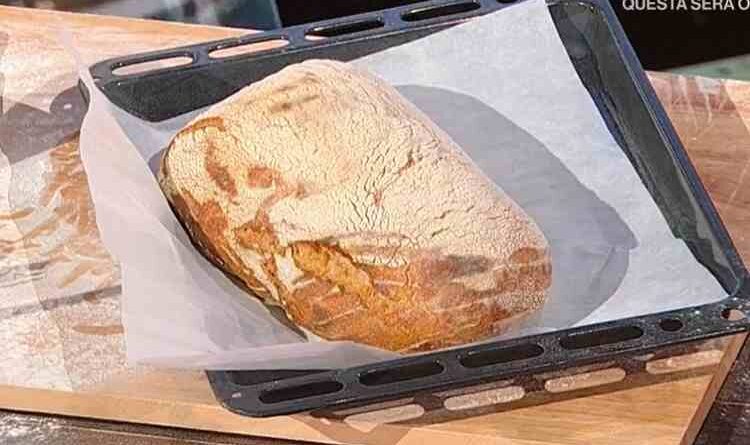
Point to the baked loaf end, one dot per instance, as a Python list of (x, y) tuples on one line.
[(324, 191)]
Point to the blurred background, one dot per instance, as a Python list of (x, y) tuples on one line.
[(709, 43)]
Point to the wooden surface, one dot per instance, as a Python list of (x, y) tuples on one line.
[(61, 344), (728, 421), (720, 376), (27, 429)]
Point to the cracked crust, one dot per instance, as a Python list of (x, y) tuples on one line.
[(324, 191)]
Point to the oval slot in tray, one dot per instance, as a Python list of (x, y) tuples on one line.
[(300, 391), (601, 337), (247, 48), (431, 12), (152, 65), (489, 357), (339, 29), (401, 373)]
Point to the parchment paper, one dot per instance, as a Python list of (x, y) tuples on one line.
[(501, 86)]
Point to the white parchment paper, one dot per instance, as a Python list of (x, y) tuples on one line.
[(501, 86)]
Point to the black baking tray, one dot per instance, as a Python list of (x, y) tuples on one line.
[(616, 82)]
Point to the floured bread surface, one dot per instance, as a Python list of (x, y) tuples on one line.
[(326, 192)]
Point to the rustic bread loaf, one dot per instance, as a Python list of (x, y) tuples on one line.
[(324, 191)]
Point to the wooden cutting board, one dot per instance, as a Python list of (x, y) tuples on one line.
[(60, 330)]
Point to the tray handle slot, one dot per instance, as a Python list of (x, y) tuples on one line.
[(733, 314), (601, 337), (243, 48), (153, 64), (585, 380), (478, 359), (351, 27), (300, 391), (671, 324), (431, 12), (401, 373)]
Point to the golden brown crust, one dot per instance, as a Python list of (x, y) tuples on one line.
[(218, 173), (324, 191), (403, 313), (206, 235), (262, 177)]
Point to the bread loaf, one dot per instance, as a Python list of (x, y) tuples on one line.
[(325, 192)]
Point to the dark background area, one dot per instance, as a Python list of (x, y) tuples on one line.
[(671, 39), (662, 39)]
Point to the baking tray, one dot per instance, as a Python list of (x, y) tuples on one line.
[(616, 82)]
